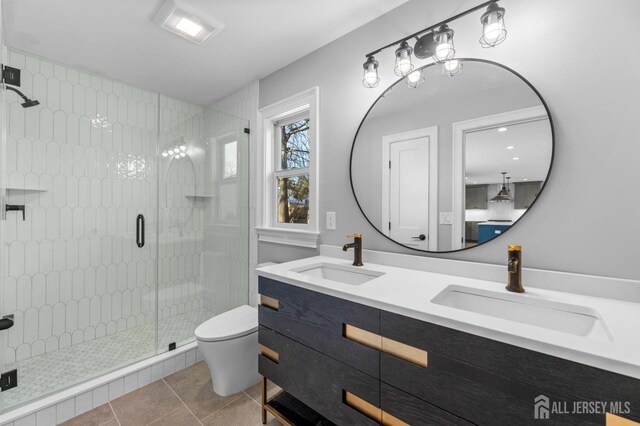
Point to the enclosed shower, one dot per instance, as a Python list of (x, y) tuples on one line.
[(135, 226)]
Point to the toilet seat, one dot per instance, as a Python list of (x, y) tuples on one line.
[(237, 322)]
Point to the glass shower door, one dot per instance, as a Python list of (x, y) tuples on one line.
[(203, 237), (75, 274)]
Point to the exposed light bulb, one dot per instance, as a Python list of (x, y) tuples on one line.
[(370, 78), (493, 32), (493, 29), (443, 38), (414, 76), (451, 67), (403, 60)]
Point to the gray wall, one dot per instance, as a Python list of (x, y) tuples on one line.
[(590, 83)]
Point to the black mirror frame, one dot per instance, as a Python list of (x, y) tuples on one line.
[(544, 184)]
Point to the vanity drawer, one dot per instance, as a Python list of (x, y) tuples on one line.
[(315, 379), (414, 411), (318, 321), (467, 373)]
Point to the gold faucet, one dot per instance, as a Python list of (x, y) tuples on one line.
[(356, 245), (515, 269)]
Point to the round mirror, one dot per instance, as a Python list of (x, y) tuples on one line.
[(446, 162)]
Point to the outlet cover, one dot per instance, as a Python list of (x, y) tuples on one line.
[(331, 220)]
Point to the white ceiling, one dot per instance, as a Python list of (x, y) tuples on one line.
[(117, 39), (487, 154)]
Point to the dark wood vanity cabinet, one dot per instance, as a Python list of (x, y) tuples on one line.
[(317, 320), (416, 372)]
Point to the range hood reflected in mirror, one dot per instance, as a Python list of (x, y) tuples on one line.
[(426, 160)]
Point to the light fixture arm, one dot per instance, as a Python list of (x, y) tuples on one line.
[(433, 27)]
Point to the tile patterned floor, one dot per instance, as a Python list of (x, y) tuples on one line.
[(185, 398), (52, 372)]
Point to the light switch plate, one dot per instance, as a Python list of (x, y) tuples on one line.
[(331, 220), (446, 218)]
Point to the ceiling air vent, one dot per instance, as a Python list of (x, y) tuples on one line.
[(177, 20)]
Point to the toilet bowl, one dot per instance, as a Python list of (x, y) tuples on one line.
[(229, 344)]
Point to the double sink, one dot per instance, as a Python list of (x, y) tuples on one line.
[(566, 318)]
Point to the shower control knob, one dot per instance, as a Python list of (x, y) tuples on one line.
[(6, 322)]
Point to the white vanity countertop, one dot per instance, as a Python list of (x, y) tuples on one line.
[(410, 292)]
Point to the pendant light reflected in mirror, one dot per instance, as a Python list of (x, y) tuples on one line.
[(493, 29), (504, 196), (443, 38), (403, 60), (370, 78), (415, 79), (451, 67)]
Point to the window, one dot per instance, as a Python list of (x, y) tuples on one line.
[(230, 169), (289, 178), (292, 171)]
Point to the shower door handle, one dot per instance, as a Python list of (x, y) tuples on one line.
[(140, 230)]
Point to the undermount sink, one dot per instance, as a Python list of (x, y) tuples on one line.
[(566, 318), (340, 273)]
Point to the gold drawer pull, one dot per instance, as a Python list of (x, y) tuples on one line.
[(384, 344), (371, 410), (614, 420), (269, 302), (405, 352), (269, 354), (361, 336)]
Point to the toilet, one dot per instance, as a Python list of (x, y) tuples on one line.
[(229, 344)]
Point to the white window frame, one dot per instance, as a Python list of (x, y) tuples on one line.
[(267, 226)]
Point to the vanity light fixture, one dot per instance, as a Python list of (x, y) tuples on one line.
[(493, 30), (451, 67), (444, 44), (504, 195), (436, 42), (371, 78), (403, 60), (415, 79)]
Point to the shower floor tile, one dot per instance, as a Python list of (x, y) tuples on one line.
[(49, 373)]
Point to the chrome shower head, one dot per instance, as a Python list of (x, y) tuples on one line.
[(27, 102)]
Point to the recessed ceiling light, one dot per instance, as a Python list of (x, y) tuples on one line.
[(510, 147), (466, 177), (525, 179), (502, 129), (516, 158), (475, 182), (185, 24)]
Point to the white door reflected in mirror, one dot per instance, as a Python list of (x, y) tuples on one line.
[(409, 211)]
